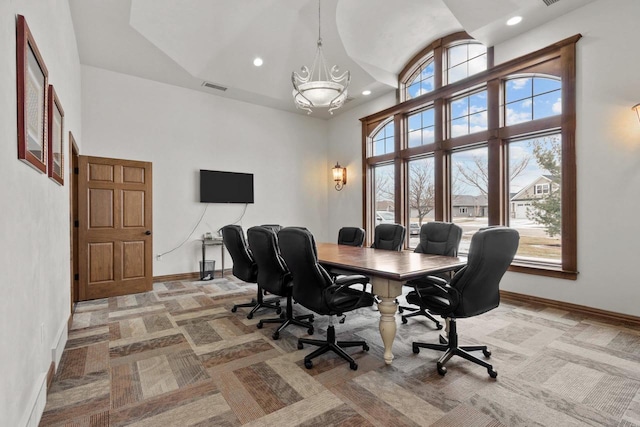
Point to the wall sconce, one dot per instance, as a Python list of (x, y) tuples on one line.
[(339, 176), (637, 110)]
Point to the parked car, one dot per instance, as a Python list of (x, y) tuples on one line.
[(414, 229), (385, 217)]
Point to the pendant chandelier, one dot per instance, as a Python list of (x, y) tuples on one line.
[(320, 87)]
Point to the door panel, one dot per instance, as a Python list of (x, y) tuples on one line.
[(100, 208), (133, 260), (132, 208), (115, 243)]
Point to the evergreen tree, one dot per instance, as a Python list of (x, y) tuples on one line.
[(547, 210)]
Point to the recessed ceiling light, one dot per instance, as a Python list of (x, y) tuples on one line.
[(515, 20), (258, 62), (366, 92)]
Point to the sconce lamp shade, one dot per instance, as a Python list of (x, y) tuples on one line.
[(339, 176), (636, 108)]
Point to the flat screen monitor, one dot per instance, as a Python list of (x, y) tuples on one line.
[(225, 187)]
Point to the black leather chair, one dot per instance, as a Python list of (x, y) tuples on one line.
[(436, 238), (314, 289), (473, 290), (245, 268), (274, 277), (351, 236), (389, 237), (275, 227)]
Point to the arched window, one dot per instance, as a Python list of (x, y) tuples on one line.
[(480, 144), (421, 81)]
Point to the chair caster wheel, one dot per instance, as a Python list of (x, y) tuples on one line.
[(415, 349), (400, 310), (310, 331), (259, 325), (442, 340), (404, 320), (442, 370), (275, 336), (492, 372), (486, 353), (300, 346), (234, 309), (308, 364), (438, 325), (278, 310), (311, 319), (250, 316), (353, 366), (365, 347)]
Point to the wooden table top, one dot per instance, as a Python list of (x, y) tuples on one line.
[(394, 265)]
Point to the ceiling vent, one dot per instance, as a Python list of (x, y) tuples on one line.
[(214, 86), (550, 2)]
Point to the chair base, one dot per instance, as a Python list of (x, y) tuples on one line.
[(417, 312), (330, 344), (451, 349), (289, 319), (258, 303)]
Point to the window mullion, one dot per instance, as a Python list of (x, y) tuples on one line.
[(496, 162)]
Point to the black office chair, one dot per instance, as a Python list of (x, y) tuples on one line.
[(389, 237), (473, 290), (436, 238), (351, 236), (275, 227), (314, 289), (274, 277), (245, 268)]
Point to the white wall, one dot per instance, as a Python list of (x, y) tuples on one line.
[(34, 230), (608, 156), (182, 131), (345, 147)]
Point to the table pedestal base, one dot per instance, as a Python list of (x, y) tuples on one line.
[(387, 290)]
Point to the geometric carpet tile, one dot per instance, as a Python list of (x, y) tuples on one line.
[(177, 356)]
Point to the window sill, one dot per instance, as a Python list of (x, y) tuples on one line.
[(543, 270)]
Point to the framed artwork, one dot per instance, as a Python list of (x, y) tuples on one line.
[(55, 122), (32, 78)]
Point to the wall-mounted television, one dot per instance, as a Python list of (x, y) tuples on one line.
[(225, 187)]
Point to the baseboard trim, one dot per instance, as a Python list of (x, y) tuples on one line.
[(181, 276), (611, 315), (176, 277), (50, 374), (38, 403)]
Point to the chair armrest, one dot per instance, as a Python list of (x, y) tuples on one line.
[(427, 281), (439, 299), (351, 280), (341, 284)]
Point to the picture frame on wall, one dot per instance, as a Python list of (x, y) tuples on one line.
[(32, 80), (55, 135)]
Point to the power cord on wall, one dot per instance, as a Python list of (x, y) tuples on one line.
[(195, 227)]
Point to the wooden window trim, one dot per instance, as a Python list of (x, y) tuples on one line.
[(496, 137)]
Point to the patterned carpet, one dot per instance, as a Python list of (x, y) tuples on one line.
[(177, 356)]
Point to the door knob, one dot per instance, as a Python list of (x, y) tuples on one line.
[(148, 233)]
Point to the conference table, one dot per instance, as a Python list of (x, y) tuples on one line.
[(388, 270)]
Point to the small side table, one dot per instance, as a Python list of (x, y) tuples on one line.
[(212, 242)]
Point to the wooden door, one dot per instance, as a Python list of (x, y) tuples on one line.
[(115, 241)]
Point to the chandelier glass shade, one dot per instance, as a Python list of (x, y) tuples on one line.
[(320, 87)]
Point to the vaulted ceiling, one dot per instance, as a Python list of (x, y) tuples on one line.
[(188, 42)]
